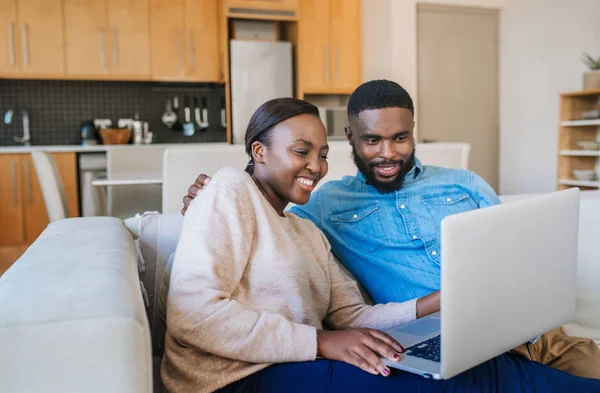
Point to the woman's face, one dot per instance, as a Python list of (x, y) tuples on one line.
[(296, 158)]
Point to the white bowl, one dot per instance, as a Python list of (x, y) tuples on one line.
[(584, 174), (589, 145)]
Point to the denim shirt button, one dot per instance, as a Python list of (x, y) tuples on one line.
[(448, 199), (355, 216), (402, 206), (414, 237), (434, 253)]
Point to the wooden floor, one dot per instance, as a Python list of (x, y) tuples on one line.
[(8, 256)]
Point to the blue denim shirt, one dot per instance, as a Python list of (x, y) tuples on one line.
[(391, 241)]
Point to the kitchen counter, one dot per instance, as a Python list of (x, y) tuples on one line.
[(95, 148)]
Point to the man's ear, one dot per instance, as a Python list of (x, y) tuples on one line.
[(348, 133), (258, 152)]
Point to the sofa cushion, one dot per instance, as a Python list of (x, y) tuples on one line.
[(71, 313)]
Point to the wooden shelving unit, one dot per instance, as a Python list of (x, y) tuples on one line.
[(572, 129)]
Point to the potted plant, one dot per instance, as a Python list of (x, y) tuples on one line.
[(591, 79)]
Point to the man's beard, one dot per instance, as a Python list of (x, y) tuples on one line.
[(369, 171)]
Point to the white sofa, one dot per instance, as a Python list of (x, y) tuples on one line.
[(74, 318)]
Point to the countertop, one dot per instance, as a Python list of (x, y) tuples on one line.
[(95, 148)]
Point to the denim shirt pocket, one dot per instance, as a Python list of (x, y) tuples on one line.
[(439, 206), (359, 228)]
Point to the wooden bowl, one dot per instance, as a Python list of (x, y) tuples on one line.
[(115, 136)]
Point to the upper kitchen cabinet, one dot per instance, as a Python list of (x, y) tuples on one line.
[(31, 39), (130, 38), (107, 39), (263, 9), (184, 40), (329, 46)]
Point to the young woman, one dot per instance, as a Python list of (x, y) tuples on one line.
[(253, 287)]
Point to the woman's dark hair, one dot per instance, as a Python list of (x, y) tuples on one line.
[(267, 116)]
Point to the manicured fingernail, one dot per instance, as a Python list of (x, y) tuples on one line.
[(385, 372), (400, 348), (376, 371), (207, 181), (395, 356)]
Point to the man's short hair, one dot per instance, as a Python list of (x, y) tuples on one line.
[(378, 94)]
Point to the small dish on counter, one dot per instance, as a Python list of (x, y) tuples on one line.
[(589, 145), (584, 174)]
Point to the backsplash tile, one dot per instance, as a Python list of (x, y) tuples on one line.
[(57, 108)]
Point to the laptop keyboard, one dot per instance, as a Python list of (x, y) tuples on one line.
[(428, 349)]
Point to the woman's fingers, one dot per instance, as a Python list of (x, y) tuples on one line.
[(389, 340)]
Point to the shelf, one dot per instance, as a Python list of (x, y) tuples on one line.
[(583, 93), (579, 183), (580, 153), (578, 123)]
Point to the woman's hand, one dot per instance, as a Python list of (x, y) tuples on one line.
[(194, 190), (428, 304), (359, 347)]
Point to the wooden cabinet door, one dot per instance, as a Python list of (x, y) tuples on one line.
[(286, 5), (11, 208), (166, 39), (313, 46), (128, 39), (9, 43), (36, 215), (202, 40), (87, 38), (42, 38), (345, 55)]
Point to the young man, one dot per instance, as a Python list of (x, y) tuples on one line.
[(384, 224)]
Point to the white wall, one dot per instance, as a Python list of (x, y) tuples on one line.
[(541, 45)]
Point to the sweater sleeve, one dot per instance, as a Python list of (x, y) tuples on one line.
[(347, 307), (212, 255)]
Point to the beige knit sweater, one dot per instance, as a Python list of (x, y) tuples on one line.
[(250, 288)]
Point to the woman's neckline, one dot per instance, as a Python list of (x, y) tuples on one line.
[(265, 199)]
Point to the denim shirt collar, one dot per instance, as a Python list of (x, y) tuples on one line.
[(411, 176)]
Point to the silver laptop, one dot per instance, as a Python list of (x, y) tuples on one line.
[(508, 275)]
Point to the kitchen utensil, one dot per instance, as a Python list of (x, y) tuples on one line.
[(589, 145), (584, 174), (223, 113), (177, 126), (188, 127), (201, 114), (169, 117), (89, 136)]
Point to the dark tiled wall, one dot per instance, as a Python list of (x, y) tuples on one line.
[(57, 108)]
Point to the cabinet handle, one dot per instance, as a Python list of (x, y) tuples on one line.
[(179, 49), (11, 44), (102, 57), (25, 45), (192, 50), (326, 62), (115, 48), (28, 182), (336, 60), (13, 182)]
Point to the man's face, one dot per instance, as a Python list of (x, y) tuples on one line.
[(383, 146)]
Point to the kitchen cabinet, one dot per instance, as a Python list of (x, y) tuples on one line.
[(23, 214), (329, 46), (263, 9), (184, 40), (107, 39), (31, 39), (11, 200)]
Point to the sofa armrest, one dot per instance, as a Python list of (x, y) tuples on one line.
[(72, 317)]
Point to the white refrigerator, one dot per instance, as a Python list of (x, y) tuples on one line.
[(260, 71)]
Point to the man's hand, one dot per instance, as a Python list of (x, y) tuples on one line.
[(360, 348), (194, 190)]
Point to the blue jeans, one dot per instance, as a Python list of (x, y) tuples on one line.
[(508, 373)]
